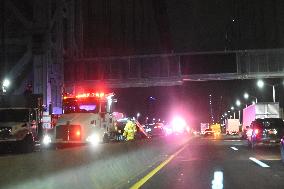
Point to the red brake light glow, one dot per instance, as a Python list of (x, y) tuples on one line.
[(256, 131), (78, 133)]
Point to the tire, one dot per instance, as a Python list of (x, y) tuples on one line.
[(282, 151), (27, 145)]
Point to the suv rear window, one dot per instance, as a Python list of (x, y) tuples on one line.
[(269, 123)]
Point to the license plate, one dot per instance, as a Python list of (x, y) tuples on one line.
[(272, 140)]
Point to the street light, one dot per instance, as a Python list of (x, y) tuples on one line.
[(238, 103), (5, 85), (246, 96), (233, 108), (260, 84)]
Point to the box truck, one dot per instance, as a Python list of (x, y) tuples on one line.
[(232, 126), (259, 111)]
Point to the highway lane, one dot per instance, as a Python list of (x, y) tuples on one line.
[(120, 165), (222, 163), (110, 165)]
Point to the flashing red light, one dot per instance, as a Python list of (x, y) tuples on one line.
[(78, 133), (82, 95), (102, 94), (256, 131), (85, 95)]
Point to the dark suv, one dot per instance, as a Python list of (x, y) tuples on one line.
[(265, 131)]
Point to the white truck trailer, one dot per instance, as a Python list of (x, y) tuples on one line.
[(203, 127), (232, 126), (259, 110)]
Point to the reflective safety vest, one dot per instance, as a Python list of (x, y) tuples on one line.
[(129, 130)]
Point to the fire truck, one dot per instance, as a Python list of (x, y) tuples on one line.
[(86, 118)]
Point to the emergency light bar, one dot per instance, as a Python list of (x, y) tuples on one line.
[(86, 95)]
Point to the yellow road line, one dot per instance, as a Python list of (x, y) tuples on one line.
[(154, 171)]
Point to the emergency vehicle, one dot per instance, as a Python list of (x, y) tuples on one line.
[(86, 118)]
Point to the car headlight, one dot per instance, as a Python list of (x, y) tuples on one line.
[(46, 140), (93, 139)]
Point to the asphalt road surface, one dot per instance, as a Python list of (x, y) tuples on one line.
[(217, 163)]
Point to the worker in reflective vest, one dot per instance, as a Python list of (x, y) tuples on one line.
[(129, 130)]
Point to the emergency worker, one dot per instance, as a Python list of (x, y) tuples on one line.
[(129, 130)]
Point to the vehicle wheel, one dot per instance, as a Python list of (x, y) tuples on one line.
[(282, 152), (27, 144)]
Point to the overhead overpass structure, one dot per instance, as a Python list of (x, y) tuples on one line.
[(43, 43), (173, 69)]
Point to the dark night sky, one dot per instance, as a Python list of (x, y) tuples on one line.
[(154, 26), (127, 27), (151, 26)]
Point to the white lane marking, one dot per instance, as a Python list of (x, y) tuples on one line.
[(217, 182), (234, 148), (258, 162)]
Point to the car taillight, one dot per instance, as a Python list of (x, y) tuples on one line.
[(78, 133), (256, 131)]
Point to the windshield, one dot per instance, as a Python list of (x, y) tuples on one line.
[(14, 115), (83, 105)]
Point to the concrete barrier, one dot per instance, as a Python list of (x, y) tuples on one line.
[(104, 166)]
